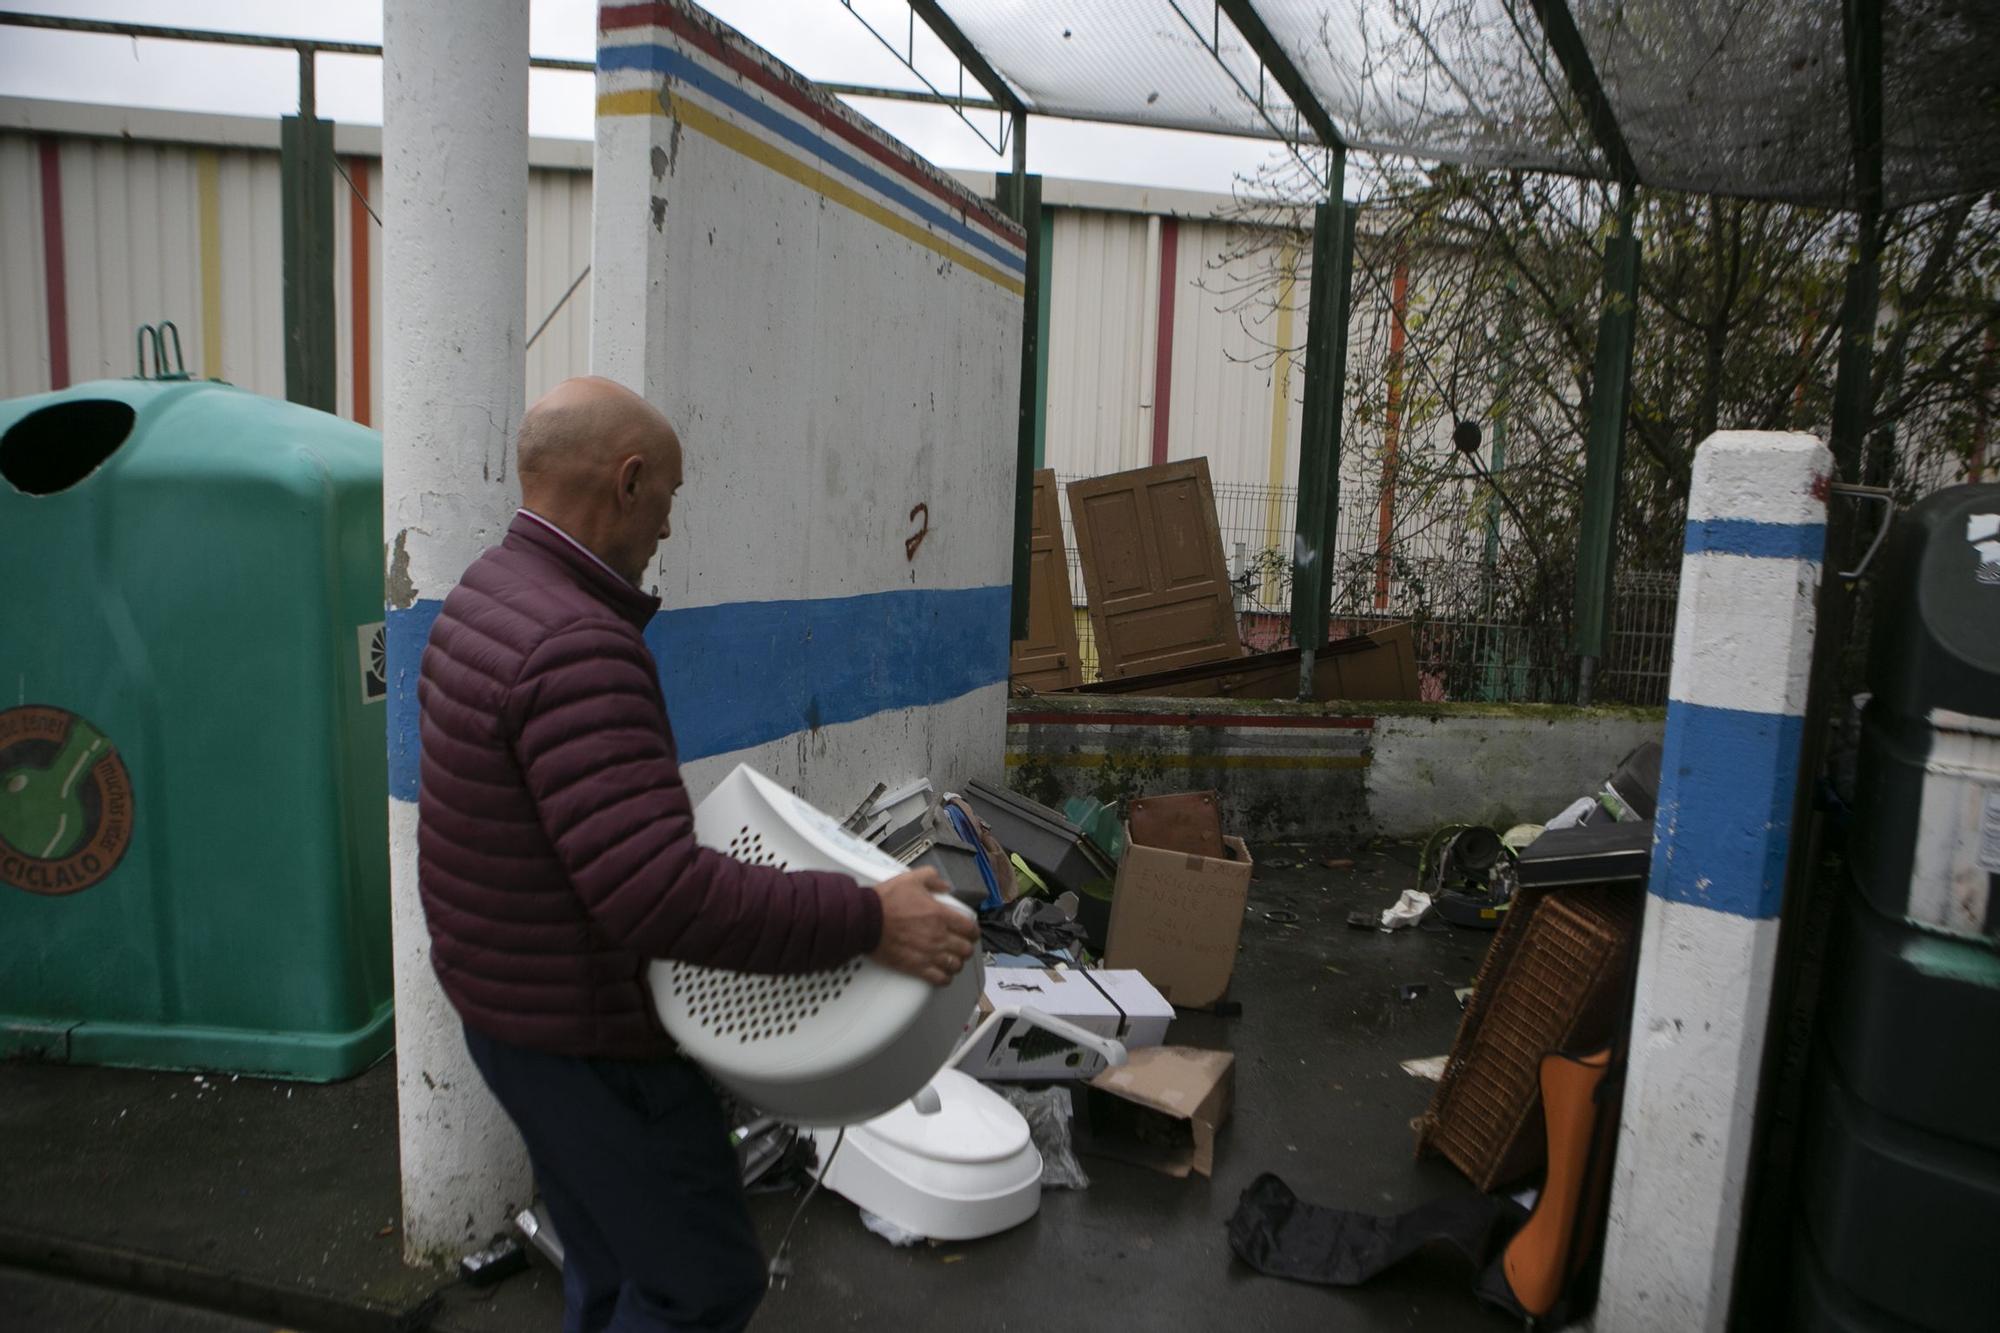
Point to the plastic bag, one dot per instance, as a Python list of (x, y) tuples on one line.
[(1047, 1111), (889, 1231)]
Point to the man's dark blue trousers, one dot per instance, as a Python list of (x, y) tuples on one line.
[(635, 1167)]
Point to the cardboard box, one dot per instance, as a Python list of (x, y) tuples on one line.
[(1112, 1004), (1176, 918), (1162, 1108)]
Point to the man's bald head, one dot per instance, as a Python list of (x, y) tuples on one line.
[(603, 464)]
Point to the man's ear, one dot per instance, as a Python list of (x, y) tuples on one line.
[(628, 477)]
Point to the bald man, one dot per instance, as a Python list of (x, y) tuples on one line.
[(556, 859)]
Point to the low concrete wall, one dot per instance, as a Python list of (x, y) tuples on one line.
[(1324, 770)]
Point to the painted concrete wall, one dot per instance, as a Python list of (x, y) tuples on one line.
[(835, 329), (455, 98), (1288, 770)]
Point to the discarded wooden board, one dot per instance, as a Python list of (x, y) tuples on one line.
[(1376, 667), (1048, 658)]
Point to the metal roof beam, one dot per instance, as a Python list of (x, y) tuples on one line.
[(968, 55), (1559, 26), (1244, 16), (153, 31)]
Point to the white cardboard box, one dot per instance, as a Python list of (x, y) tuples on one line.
[(1120, 1004)]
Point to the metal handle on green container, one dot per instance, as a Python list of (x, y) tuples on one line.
[(158, 334)]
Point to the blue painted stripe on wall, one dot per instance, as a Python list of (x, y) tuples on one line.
[(1727, 782), (745, 673), (656, 59), (409, 630), (1743, 536)]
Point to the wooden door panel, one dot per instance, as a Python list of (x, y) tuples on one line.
[(1119, 545), (1153, 570), (1048, 658)]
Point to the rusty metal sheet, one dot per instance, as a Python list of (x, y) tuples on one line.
[(1188, 822), (1048, 658), (1365, 668), (1153, 570)]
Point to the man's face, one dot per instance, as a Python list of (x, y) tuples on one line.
[(650, 479)]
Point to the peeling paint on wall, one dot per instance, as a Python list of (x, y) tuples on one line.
[(402, 592)]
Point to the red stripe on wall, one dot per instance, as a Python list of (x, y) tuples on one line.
[(617, 18), (1240, 720), (54, 264), (1163, 345), (357, 303)]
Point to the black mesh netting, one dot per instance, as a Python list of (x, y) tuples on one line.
[(1736, 97)]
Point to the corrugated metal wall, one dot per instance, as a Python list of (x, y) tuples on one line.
[(1235, 389), (24, 325), (192, 234), (1102, 295), (558, 250)]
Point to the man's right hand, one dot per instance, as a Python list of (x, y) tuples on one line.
[(922, 935)]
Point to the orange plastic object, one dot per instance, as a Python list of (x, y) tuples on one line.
[(1537, 1261)]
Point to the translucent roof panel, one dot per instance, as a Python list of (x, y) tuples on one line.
[(1736, 97), (1135, 61), (1467, 81)]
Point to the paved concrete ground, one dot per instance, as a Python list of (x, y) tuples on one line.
[(49, 1304), (249, 1187)]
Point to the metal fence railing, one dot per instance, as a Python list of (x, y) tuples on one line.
[(1486, 627)]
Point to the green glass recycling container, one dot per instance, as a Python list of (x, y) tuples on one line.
[(193, 785)]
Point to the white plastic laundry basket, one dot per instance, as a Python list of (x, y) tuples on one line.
[(823, 1048)]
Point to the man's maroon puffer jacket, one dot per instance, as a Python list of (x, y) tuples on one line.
[(556, 850)]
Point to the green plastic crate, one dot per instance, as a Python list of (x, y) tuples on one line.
[(193, 788)]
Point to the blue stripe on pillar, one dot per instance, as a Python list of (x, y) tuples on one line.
[(1731, 775), (1743, 536)]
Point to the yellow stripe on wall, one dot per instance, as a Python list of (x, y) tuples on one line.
[(1282, 762), (640, 102), (1281, 409), (208, 191)]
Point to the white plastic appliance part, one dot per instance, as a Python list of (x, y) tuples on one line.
[(824, 1048), (956, 1161)]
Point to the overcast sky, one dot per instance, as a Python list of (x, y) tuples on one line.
[(818, 37)]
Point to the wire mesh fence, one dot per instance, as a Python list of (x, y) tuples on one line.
[(1488, 620)]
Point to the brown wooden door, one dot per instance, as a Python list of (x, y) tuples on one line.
[(1047, 659), (1153, 571)]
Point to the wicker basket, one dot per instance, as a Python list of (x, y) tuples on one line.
[(1554, 980)]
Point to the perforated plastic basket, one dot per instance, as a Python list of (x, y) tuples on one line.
[(823, 1048)]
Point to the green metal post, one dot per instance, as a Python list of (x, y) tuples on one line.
[(1334, 389), (1319, 432), (1045, 266), (305, 173), (1610, 395), (1028, 191), (1852, 391)]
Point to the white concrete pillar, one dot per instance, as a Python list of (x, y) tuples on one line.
[(1743, 648), (454, 223)]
